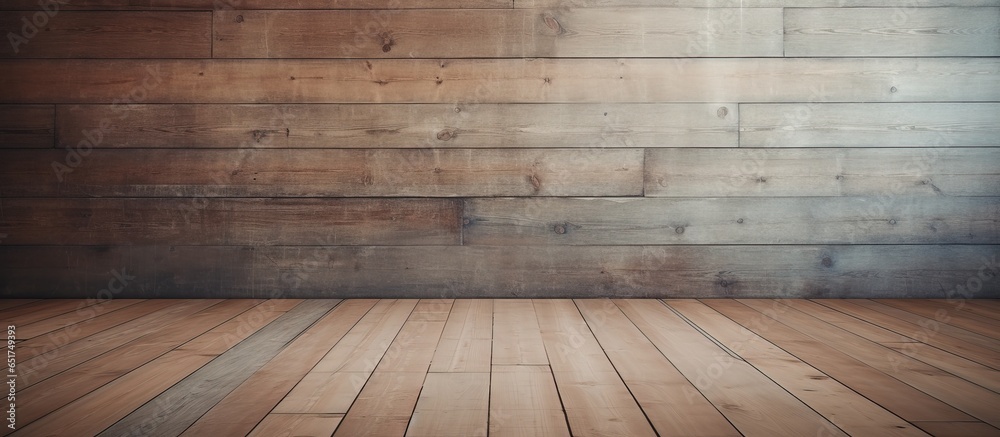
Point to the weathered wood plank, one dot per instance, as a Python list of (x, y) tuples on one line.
[(517, 339), (869, 125), (95, 34), (452, 405), (807, 220), (175, 409), (459, 125), (27, 126), (891, 176), (323, 173), (467, 340), (739, 3), (250, 402), (81, 315), (299, 425), (231, 221), (502, 80), (895, 31), (225, 5), (851, 412), (512, 33), (493, 271), (958, 429), (523, 399)]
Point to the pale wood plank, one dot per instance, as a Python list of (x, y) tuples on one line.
[(751, 401), (813, 220), (757, 80), (524, 401), (933, 324), (951, 363), (467, 340), (978, 306), (325, 173), (231, 221), (74, 383), (518, 33), (924, 330), (672, 404), (740, 3), (118, 34), (959, 429), (852, 412), (892, 394), (297, 425), (595, 398), (968, 397), (842, 31), (517, 339), (26, 126), (971, 322), (823, 172), (246, 405), (452, 405), (869, 125), (459, 125), (413, 348)]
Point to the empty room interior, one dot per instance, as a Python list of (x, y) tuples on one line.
[(437, 218)]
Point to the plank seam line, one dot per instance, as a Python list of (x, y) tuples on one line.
[(704, 333)]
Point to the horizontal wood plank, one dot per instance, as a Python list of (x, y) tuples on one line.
[(869, 125), (397, 125), (895, 31), (482, 33), (485, 271), (502, 80), (26, 126), (812, 220), (225, 5), (736, 3), (887, 174), (321, 173), (97, 34), (231, 221)]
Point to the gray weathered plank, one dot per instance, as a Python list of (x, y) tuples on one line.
[(950, 31), (869, 124), (323, 173), (803, 220), (887, 174), (104, 34), (178, 407), (32, 126), (402, 125), (231, 221), (496, 33), (502, 80), (860, 271)]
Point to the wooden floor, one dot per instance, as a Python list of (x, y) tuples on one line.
[(505, 367)]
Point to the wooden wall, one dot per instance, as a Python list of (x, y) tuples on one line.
[(442, 148)]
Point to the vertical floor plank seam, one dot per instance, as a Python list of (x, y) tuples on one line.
[(552, 371), (918, 356), (686, 378), (191, 385), (906, 381), (451, 308), (765, 375), (617, 372)]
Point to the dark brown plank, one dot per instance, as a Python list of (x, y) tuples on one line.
[(495, 271), (70, 34), (746, 3), (892, 176), (502, 80), (26, 126), (813, 220), (462, 125), (322, 173), (231, 221), (82, 314), (483, 33)]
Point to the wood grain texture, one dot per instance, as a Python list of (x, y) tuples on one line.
[(502, 80), (737, 3), (483, 33), (231, 221), (486, 271), (870, 125), (95, 34), (26, 126), (226, 5), (897, 31), (452, 405), (324, 173), (461, 125), (806, 220), (893, 176), (524, 401), (299, 425)]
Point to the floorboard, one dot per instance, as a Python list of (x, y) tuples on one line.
[(506, 367)]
